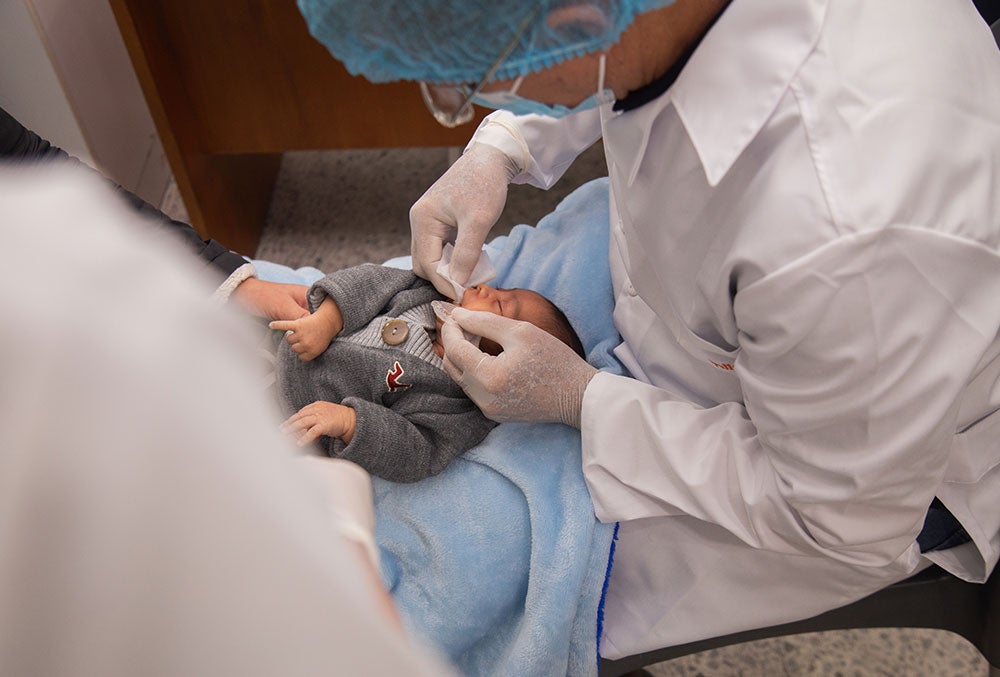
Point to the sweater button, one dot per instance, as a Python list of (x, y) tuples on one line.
[(395, 332)]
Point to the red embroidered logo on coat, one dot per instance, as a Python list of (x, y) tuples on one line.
[(725, 366), (392, 378)]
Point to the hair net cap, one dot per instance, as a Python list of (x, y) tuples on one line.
[(454, 41)]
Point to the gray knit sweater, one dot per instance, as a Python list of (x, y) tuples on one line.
[(412, 419)]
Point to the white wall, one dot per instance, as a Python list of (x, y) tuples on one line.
[(66, 74)]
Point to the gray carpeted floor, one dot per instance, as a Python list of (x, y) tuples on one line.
[(334, 209)]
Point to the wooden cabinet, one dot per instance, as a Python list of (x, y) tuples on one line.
[(231, 84)]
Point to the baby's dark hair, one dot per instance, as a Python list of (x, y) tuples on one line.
[(559, 326)]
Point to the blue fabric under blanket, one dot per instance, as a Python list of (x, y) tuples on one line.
[(499, 560)]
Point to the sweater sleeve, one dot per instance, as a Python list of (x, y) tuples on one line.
[(20, 145), (362, 291), (406, 443)]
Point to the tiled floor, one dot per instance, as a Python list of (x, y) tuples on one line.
[(849, 653), (335, 209)]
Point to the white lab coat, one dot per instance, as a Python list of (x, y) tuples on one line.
[(804, 252), (152, 518)]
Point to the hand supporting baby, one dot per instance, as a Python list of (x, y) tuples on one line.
[(273, 300)]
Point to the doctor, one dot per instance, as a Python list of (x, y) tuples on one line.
[(805, 253), (153, 520)]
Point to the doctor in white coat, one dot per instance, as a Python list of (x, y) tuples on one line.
[(153, 519), (805, 252)]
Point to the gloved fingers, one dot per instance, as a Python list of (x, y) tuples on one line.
[(459, 354), (468, 249), (459, 207), (426, 250), (497, 328), (440, 283)]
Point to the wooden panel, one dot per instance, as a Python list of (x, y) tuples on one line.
[(228, 79), (246, 76)]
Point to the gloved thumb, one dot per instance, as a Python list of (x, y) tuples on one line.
[(460, 355), (491, 326), (468, 250)]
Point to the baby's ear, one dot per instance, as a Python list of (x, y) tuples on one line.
[(580, 20)]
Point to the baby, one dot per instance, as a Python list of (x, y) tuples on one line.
[(365, 377)]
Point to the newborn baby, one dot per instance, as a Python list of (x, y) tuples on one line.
[(364, 374)]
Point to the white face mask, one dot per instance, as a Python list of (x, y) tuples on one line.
[(520, 105)]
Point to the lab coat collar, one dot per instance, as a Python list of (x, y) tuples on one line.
[(735, 79)]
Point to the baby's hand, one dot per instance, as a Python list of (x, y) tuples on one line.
[(321, 418), (308, 336)]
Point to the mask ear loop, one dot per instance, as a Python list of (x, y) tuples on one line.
[(601, 65), (516, 86)]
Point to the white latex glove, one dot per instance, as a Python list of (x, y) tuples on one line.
[(348, 491), (537, 377), (461, 207)]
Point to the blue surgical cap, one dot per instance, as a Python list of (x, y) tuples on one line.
[(453, 41)]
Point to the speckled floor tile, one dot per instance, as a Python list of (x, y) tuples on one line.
[(888, 652)]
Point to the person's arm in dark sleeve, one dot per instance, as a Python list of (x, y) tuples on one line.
[(19, 144)]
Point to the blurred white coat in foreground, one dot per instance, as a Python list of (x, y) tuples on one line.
[(152, 520)]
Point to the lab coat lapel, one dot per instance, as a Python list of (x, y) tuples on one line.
[(731, 86)]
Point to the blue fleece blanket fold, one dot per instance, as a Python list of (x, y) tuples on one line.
[(499, 561)]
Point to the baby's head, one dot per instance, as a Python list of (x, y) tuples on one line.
[(525, 305)]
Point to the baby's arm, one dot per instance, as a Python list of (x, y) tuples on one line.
[(309, 336), (412, 440), (321, 418)]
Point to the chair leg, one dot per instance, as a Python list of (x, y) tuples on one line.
[(991, 633)]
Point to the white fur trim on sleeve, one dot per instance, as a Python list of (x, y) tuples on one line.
[(225, 290)]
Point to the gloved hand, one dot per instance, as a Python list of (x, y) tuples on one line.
[(348, 491), (462, 206), (537, 377)]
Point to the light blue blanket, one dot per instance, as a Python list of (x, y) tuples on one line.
[(499, 560)]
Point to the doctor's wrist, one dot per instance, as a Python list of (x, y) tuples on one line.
[(570, 402)]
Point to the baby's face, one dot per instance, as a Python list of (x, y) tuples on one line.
[(517, 304)]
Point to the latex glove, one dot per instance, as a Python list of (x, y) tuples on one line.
[(348, 491), (273, 300), (461, 207), (537, 377)]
